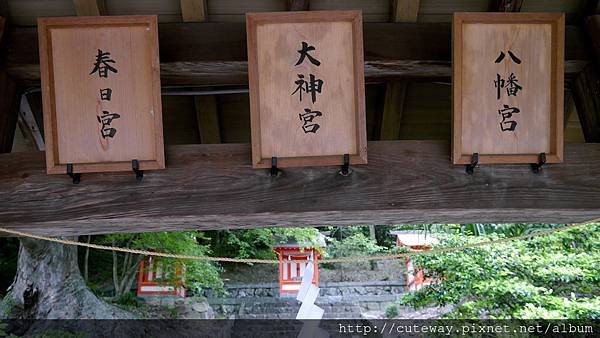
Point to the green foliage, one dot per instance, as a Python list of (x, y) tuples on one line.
[(258, 243), (549, 277), (199, 275), (391, 311), (357, 244)]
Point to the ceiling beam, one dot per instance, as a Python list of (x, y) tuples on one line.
[(214, 187), (193, 10), (90, 7), (216, 53)]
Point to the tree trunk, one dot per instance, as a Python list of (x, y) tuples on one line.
[(49, 285)]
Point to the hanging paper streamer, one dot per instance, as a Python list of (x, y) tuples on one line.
[(307, 295)]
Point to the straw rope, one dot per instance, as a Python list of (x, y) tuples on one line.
[(352, 259)]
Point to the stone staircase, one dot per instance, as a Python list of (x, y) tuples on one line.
[(336, 307), (340, 300)]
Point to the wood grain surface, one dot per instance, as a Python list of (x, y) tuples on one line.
[(215, 187), (274, 40), (537, 46), (72, 97)]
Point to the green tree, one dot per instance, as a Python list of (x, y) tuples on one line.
[(547, 277), (198, 274), (258, 243)]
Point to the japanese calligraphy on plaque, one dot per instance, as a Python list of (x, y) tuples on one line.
[(508, 87), (306, 88), (101, 93)]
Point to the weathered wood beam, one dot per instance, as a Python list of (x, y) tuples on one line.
[(404, 10), (193, 10), (298, 5), (207, 114), (214, 187), (90, 7), (215, 53), (393, 106)]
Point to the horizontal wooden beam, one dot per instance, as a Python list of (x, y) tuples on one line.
[(215, 53), (214, 187)]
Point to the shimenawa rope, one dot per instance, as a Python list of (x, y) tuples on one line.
[(352, 259)]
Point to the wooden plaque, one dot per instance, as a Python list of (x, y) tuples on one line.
[(101, 93), (508, 83), (306, 75)]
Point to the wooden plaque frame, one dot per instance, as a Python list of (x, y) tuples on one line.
[(253, 21), (555, 137), (45, 28)]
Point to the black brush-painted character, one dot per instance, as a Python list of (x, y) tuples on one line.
[(507, 113), (512, 56), (102, 64), (512, 85), (106, 119), (105, 94), (307, 119), (304, 53), (312, 86)]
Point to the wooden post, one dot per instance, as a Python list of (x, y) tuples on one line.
[(207, 115), (90, 7), (194, 10)]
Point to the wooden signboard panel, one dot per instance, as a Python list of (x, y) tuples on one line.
[(508, 80), (101, 93), (306, 76)]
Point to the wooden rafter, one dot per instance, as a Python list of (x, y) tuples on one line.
[(298, 5), (214, 187), (393, 108), (395, 92), (9, 105), (216, 53), (404, 10), (586, 90), (207, 115), (507, 5), (194, 10), (90, 7)]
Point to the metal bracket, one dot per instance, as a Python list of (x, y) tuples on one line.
[(139, 174), (474, 162), (537, 167), (345, 171), (76, 177), (274, 170)]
